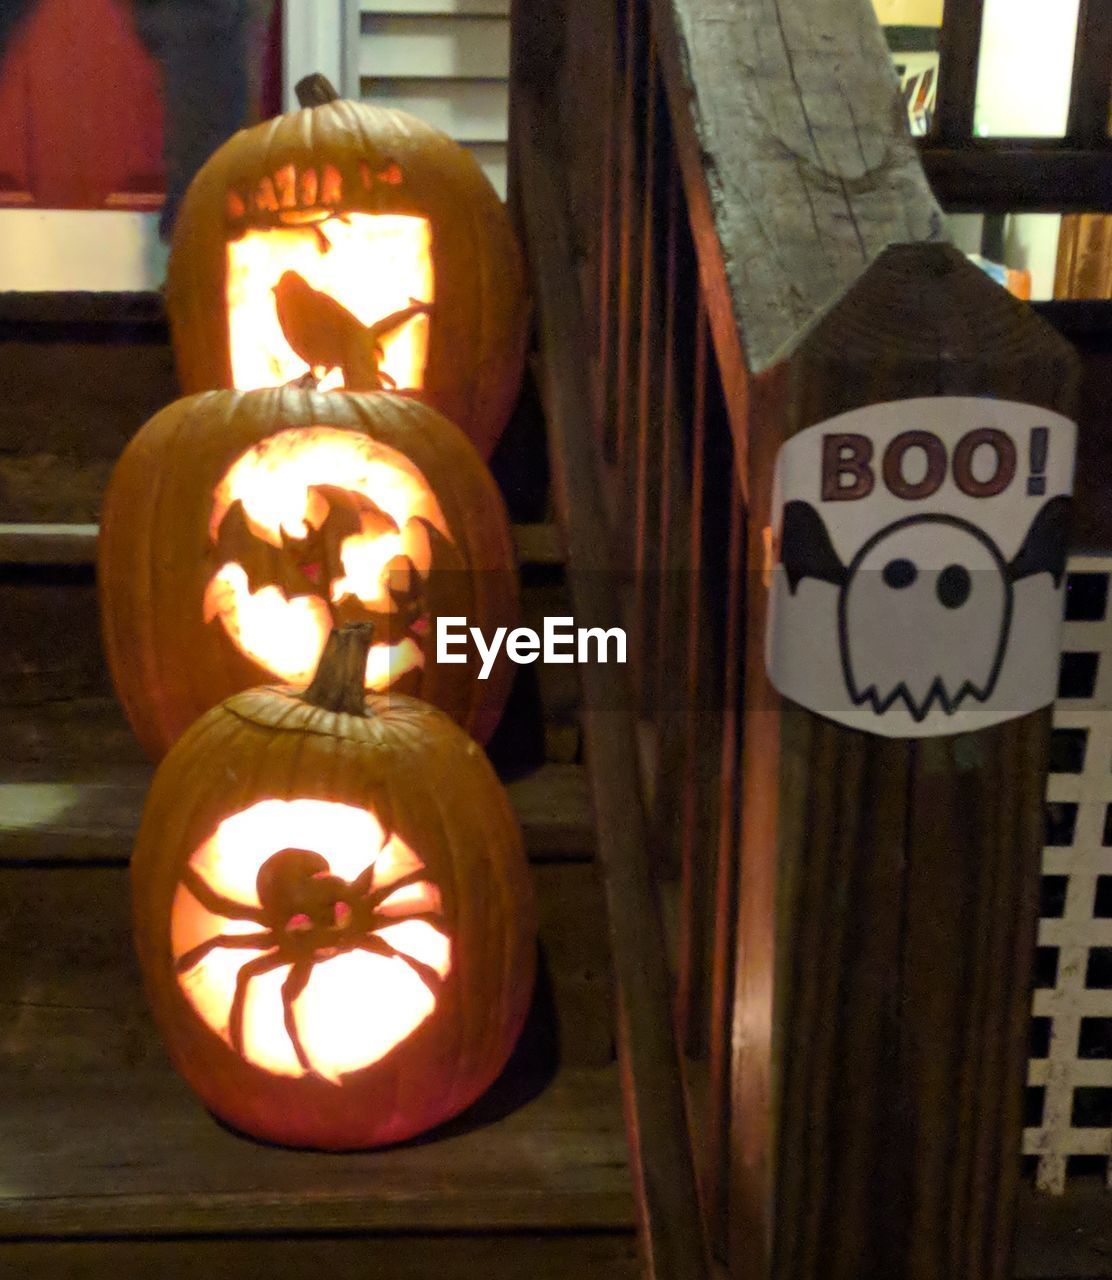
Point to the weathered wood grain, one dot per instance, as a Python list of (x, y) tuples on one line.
[(663, 1169), (888, 887), (92, 813), (1006, 179), (537, 543), (133, 1153), (70, 999), (797, 164), (506, 1256), (1067, 1237)]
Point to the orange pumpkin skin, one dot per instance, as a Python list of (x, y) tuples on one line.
[(432, 786), (157, 559), (340, 158)]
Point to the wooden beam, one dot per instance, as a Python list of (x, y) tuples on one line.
[(662, 1163), (1090, 94), (994, 177), (888, 887), (797, 165), (535, 544), (52, 819), (505, 1256), (959, 59)]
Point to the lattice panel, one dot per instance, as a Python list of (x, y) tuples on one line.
[(1069, 1094)]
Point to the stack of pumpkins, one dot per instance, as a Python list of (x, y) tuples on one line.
[(332, 907)]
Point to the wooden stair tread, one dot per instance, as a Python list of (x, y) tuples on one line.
[(123, 1153), (82, 307), (72, 543), (89, 816)]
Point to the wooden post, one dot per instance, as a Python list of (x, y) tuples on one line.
[(888, 887)]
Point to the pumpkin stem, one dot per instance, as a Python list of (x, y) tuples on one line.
[(315, 91), (342, 671)]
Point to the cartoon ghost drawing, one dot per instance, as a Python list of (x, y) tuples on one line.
[(925, 606)]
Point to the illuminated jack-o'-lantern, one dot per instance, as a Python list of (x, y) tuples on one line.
[(240, 527), (333, 912), (346, 245)]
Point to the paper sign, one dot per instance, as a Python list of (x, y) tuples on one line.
[(919, 553)]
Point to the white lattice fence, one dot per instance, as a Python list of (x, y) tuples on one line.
[(1069, 1096)]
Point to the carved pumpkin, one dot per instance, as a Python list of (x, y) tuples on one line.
[(350, 245), (333, 912), (239, 527)]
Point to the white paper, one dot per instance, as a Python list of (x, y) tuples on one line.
[(919, 564)]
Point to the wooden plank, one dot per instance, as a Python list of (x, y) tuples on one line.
[(663, 1172), (134, 1153), (1002, 178), (505, 1256), (93, 814), (29, 543), (48, 543), (67, 308), (65, 738), (101, 1139), (888, 887), (1090, 117), (959, 61), (1067, 1237), (80, 399), (70, 997), (797, 165), (716, 1158), (68, 406)]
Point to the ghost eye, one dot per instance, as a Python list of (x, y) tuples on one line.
[(953, 586), (899, 574)]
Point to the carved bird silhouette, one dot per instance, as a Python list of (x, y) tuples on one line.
[(326, 335)]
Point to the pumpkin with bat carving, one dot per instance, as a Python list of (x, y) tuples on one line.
[(332, 911), (239, 527), (345, 245)]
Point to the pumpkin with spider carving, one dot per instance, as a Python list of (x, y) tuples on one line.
[(333, 912), (350, 246)]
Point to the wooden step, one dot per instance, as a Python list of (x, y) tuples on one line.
[(92, 816), (42, 544), (81, 372), (100, 1141), (396, 1256), (132, 1152)]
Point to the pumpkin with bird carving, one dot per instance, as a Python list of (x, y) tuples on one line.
[(345, 246)]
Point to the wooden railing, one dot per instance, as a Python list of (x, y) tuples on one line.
[(675, 287)]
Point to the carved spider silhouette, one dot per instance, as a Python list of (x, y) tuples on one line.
[(307, 915)]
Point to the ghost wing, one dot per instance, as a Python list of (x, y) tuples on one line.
[(805, 547), (1044, 548)]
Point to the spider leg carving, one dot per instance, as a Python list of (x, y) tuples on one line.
[(378, 896), (242, 941), (293, 986), (380, 947), (216, 902), (423, 917), (252, 969)]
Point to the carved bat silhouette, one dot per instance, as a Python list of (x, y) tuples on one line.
[(300, 566)]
